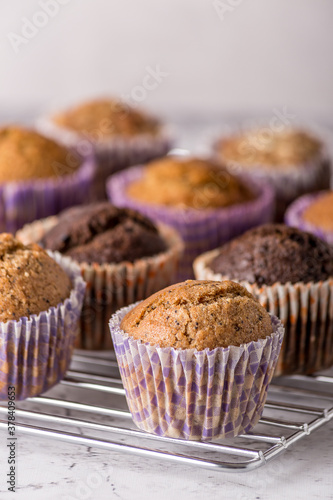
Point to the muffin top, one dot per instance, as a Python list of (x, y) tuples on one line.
[(320, 212), (275, 253), (25, 154), (105, 118), (31, 281), (188, 183), (103, 233), (265, 147), (199, 315)]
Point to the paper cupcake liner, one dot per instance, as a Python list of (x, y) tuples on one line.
[(111, 286), (113, 154), (289, 183), (22, 202), (294, 217), (306, 311), (195, 395), (35, 353), (201, 230)]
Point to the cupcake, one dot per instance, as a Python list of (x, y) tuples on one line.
[(196, 359), (118, 134), (38, 177), (291, 273), (204, 202), (41, 300), (294, 161), (123, 258), (313, 213)]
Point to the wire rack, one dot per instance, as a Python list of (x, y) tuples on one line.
[(89, 408)]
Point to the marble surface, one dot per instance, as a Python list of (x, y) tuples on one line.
[(52, 470)]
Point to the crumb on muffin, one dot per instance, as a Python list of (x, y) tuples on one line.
[(25, 154), (31, 281), (104, 118), (188, 183), (200, 315)]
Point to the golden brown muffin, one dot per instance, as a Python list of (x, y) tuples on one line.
[(320, 212), (25, 154), (105, 118), (188, 183), (200, 315), (274, 149), (31, 281)]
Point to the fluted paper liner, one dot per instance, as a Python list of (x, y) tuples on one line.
[(195, 395), (294, 217), (22, 202), (111, 286), (289, 182), (35, 353), (306, 311), (112, 154), (201, 230)]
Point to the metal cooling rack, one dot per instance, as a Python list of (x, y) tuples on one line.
[(89, 408)]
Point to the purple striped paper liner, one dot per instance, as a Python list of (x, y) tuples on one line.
[(195, 395), (35, 353), (294, 217), (112, 154), (22, 202), (200, 230), (111, 286), (289, 182)]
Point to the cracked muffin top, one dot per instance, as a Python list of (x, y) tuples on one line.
[(103, 233), (25, 154), (31, 281), (104, 118), (188, 183), (275, 253), (265, 147), (200, 315), (319, 213)]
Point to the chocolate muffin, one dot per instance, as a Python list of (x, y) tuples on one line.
[(196, 359), (275, 253), (189, 183), (31, 281), (293, 160), (199, 315), (122, 255), (103, 233), (25, 154), (291, 273)]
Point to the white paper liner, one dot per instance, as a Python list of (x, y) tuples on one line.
[(111, 286), (305, 309)]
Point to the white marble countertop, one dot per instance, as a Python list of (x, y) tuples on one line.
[(51, 470)]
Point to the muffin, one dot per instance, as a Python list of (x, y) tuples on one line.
[(123, 257), (117, 133), (206, 204), (38, 177), (40, 305), (313, 213), (291, 273), (294, 161), (196, 359)]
